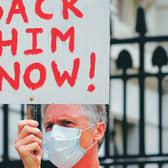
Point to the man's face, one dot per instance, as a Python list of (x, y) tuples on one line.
[(69, 116)]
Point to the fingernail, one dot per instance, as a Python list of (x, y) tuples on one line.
[(36, 123)]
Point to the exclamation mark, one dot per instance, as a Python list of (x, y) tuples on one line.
[(91, 87)]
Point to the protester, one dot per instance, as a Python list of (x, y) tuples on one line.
[(73, 135)]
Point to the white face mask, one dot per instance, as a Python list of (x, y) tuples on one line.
[(62, 147)]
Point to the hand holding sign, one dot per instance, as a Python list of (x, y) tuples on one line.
[(29, 140)]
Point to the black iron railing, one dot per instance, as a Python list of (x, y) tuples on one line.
[(124, 62)]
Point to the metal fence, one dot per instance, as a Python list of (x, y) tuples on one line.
[(123, 62)]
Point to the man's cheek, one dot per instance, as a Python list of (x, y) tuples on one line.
[(86, 139)]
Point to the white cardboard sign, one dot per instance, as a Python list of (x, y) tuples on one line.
[(54, 51)]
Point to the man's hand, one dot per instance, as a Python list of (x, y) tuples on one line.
[(29, 143)]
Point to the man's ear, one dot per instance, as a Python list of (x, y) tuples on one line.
[(100, 130)]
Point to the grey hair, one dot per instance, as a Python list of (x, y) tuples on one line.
[(95, 112)]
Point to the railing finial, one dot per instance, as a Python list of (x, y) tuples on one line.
[(141, 26), (124, 60), (159, 57)]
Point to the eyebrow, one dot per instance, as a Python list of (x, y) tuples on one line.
[(62, 118)]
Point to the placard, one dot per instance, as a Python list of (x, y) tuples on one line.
[(54, 51)]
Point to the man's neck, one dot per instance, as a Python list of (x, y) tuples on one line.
[(89, 160)]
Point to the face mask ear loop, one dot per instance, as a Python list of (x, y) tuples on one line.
[(92, 145), (87, 129)]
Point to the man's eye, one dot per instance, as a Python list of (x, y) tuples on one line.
[(49, 127), (66, 123)]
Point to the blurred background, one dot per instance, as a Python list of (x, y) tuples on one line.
[(137, 132)]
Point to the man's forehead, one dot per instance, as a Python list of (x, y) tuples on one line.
[(67, 110)]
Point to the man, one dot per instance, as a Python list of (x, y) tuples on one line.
[(73, 134)]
